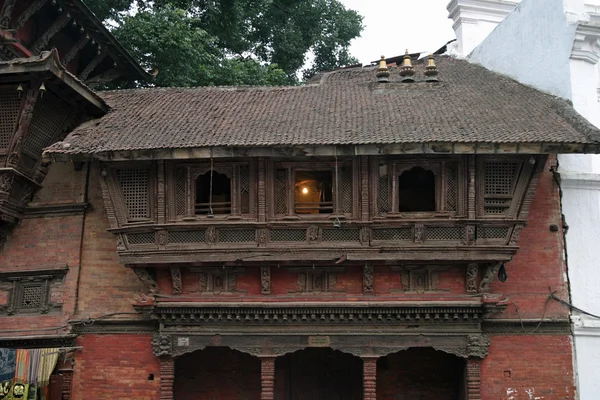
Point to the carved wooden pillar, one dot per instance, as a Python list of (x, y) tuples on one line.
[(267, 378), (262, 191), (370, 378), (473, 379), (167, 377)]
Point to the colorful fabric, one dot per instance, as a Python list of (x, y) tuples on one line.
[(48, 360), (22, 369), (8, 361)]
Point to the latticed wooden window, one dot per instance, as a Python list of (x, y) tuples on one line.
[(30, 296), (451, 186), (180, 191), (500, 179), (134, 184), (9, 116), (281, 194), (383, 195), (244, 179), (49, 120), (346, 190)]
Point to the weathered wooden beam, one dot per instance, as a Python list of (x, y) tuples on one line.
[(28, 13), (14, 148), (92, 66), (73, 51), (104, 77), (41, 43), (6, 13)]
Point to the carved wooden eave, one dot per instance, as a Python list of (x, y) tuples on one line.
[(36, 85), (362, 329), (330, 151), (74, 18)]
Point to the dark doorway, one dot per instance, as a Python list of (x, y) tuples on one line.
[(213, 193), (416, 191), (217, 373), (419, 374), (318, 374)]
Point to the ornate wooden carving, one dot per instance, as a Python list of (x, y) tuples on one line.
[(478, 346), (176, 279), (144, 276), (514, 238), (16, 143), (262, 190), (313, 233), (6, 13), (473, 379), (262, 237), (59, 23), (368, 279), (167, 377), (365, 236), (419, 279), (161, 192), (265, 280), (6, 181), (471, 186), (28, 13), (370, 378), (162, 345), (319, 280), (267, 378), (75, 49), (489, 274), (471, 279), (211, 235), (92, 65), (531, 188), (470, 239), (419, 233), (364, 188), (218, 280)]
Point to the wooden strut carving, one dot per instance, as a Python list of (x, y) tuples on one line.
[(16, 143), (370, 378), (6, 13), (92, 66), (167, 377), (176, 278), (368, 279), (419, 233), (144, 276), (472, 274), (42, 42), (473, 379), (267, 378), (490, 273), (265, 280), (28, 13), (77, 47)]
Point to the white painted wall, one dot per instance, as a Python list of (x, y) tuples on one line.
[(554, 45)]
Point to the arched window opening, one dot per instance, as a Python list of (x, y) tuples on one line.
[(314, 192), (416, 191), (217, 202)]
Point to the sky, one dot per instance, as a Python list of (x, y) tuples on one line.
[(392, 26)]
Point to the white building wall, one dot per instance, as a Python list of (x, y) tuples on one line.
[(554, 45)]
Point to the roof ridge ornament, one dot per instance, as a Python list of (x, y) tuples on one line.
[(407, 71), (431, 71), (383, 72)]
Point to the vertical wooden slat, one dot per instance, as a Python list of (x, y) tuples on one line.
[(167, 377), (267, 378), (262, 191), (370, 378), (473, 379), (471, 187)]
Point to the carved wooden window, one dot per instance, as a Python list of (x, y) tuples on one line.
[(305, 190), (50, 118), (29, 291), (419, 279), (415, 186), (317, 281), (227, 189), (11, 101), (498, 181), (134, 184), (218, 280)]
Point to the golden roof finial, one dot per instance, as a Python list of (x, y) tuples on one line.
[(407, 71), (383, 73), (431, 70)]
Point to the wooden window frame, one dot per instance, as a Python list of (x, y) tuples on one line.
[(118, 197), (229, 168), (437, 166), (291, 167)]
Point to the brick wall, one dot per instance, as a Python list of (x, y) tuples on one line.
[(528, 367), (116, 367), (106, 286)]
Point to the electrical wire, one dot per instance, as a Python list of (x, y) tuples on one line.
[(572, 307)]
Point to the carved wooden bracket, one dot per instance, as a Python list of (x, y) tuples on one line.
[(176, 280), (489, 274), (471, 278), (265, 280), (368, 279)]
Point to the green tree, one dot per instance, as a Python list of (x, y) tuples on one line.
[(235, 41)]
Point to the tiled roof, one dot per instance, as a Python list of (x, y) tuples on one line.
[(469, 105)]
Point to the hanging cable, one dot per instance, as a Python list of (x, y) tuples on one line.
[(210, 209), (337, 222)]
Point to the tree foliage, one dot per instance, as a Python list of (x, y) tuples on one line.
[(221, 42)]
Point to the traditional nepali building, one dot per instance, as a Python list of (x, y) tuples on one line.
[(338, 240)]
